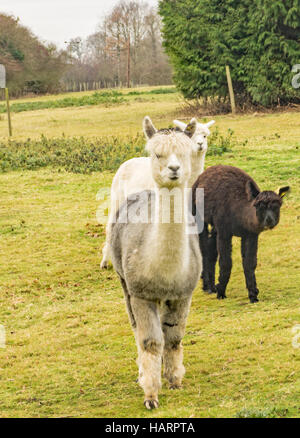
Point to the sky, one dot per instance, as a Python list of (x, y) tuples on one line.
[(58, 21)]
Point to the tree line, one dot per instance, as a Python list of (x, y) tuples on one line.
[(258, 39), (31, 66), (125, 50)]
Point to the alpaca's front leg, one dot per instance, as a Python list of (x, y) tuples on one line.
[(149, 338), (212, 260), (224, 244), (249, 257), (203, 242), (173, 319)]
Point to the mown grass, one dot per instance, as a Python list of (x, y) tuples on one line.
[(106, 98), (91, 120), (70, 351)]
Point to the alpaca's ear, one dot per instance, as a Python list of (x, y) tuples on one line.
[(180, 125), (252, 190), (283, 191), (148, 127), (191, 128), (209, 124)]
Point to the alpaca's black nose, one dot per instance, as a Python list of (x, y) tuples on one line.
[(270, 222), (174, 167)]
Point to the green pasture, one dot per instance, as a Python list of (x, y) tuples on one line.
[(70, 351)]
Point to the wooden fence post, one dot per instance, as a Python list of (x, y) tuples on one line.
[(230, 87)]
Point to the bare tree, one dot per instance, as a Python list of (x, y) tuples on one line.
[(125, 49)]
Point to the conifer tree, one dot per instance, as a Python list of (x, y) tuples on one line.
[(258, 39)]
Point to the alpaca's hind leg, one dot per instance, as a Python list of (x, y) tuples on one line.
[(203, 242), (114, 207), (212, 260), (105, 256), (173, 320), (149, 340), (105, 251), (128, 304), (132, 321), (225, 262)]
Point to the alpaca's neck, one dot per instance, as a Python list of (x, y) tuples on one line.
[(168, 243), (197, 166)]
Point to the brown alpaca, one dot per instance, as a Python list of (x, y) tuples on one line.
[(233, 206)]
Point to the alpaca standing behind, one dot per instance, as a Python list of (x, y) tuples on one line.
[(135, 175), (158, 262), (233, 206), (199, 147)]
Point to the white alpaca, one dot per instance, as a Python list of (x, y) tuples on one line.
[(158, 262), (135, 175), (199, 146)]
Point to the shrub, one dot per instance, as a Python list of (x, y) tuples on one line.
[(85, 155), (258, 39), (219, 144), (73, 154)]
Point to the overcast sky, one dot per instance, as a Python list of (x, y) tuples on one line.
[(60, 20)]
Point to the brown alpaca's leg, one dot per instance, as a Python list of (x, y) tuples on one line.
[(173, 320), (249, 257), (225, 261), (203, 242), (212, 260), (149, 340)]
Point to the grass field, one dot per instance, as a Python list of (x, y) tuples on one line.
[(69, 349)]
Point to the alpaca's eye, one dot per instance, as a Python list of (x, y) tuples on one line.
[(158, 156)]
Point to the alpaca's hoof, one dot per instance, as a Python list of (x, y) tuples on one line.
[(151, 404), (220, 294), (253, 296), (175, 386), (104, 264), (209, 289), (221, 297), (175, 382)]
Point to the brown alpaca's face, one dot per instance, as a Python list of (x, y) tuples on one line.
[(267, 206)]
